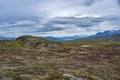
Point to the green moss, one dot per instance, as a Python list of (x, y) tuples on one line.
[(56, 75), (13, 44), (87, 76), (13, 75), (15, 63)]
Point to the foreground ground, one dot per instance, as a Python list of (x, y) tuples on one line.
[(93, 61)]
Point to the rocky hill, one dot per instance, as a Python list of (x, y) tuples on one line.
[(38, 42), (30, 41)]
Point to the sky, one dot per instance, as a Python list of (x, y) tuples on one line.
[(58, 18)]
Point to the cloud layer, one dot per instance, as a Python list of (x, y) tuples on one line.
[(58, 17)]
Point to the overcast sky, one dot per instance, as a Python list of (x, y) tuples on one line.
[(58, 18)]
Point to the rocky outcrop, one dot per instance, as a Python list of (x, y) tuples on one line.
[(71, 77), (37, 42)]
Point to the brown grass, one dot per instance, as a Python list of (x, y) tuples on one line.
[(100, 61)]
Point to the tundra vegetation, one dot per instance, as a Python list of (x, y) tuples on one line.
[(31, 58)]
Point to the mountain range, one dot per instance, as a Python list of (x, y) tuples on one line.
[(107, 38), (7, 38), (67, 38), (106, 33), (99, 34)]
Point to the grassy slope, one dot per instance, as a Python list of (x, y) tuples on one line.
[(100, 61)]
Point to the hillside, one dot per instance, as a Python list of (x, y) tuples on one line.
[(102, 38), (28, 59)]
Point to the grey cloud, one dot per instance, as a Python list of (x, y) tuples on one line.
[(83, 22), (64, 23), (58, 24), (49, 26), (48, 8), (49, 16), (80, 22), (49, 29), (119, 2), (89, 2), (22, 24)]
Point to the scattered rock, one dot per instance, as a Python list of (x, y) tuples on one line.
[(68, 76), (71, 77), (84, 47)]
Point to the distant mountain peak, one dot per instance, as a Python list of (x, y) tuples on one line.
[(109, 35), (106, 33)]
